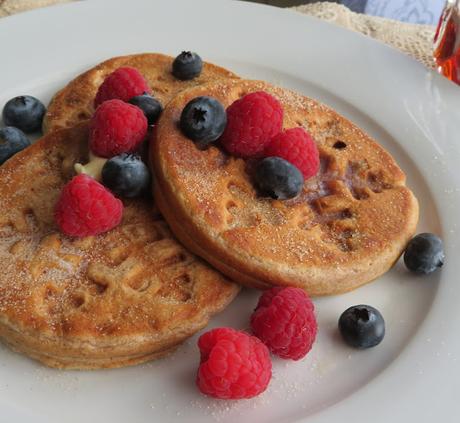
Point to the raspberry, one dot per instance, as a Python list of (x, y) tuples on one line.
[(297, 147), (116, 128), (284, 320), (85, 207), (251, 122), (233, 364), (123, 84)]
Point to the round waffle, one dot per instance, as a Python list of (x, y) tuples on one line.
[(121, 298), (74, 103), (348, 226)]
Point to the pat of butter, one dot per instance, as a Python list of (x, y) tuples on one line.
[(93, 168)]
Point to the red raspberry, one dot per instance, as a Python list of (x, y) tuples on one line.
[(233, 364), (116, 127), (123, 84), (251, 122), (284, 320), (86, 207), (297, 147)]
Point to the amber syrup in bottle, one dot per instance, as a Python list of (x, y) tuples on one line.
[(447, 41)]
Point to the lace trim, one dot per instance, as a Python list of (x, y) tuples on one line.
[(10, 7), (413, 39)]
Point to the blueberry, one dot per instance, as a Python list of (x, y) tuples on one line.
[(278, 179), (149, 105), (362, 326), (126, 175), (203, 120), (12, 140), (424, 253), (187, 65), (24, 112)]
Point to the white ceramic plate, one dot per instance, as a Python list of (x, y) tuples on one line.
[(414, 374)]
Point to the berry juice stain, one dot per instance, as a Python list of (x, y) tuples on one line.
[(447, 41)]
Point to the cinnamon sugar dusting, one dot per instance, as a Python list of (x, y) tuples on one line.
[(135, 280), (357, 199)]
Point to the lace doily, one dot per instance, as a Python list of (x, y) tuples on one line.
[(10, 7), (413, 39)]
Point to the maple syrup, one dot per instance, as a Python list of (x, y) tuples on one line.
[(447, 41)]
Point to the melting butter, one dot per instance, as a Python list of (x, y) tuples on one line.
[(93, 168)]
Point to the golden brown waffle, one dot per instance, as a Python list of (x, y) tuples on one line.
[(347, 227), (121, 298), (74, 103)]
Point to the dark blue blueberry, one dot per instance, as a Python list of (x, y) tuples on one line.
[(12, 140), (126, 175), (362, 326), (203, 120), (187, 65), (149, 105), (24, 112), (278, 179), (424, 253)]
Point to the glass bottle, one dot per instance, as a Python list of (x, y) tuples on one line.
[(447, 41)]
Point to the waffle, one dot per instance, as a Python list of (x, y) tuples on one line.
[(121, 298), (74, 103), (348, 226)]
